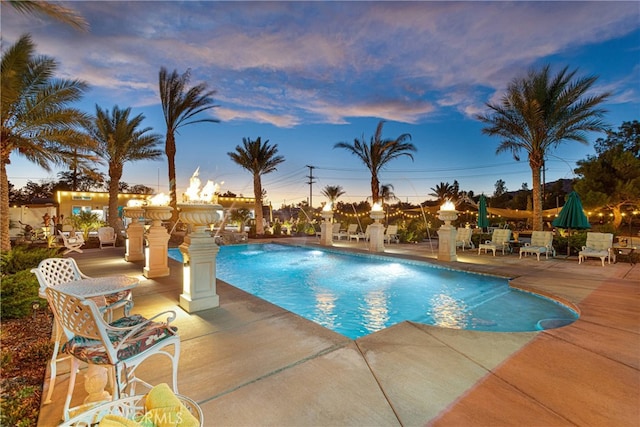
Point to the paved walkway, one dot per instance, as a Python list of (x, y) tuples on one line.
[(250, 363)]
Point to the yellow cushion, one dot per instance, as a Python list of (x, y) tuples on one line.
[(161, 396), (111, 420), (170, 417), (164, 409)]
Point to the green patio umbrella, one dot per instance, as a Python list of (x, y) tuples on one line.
[(483, 221), (572, 217)]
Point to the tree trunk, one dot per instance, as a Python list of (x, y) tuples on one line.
[(5, 240), (375, 189), (115, 174), (170, 150), (617, 216), (535, 162), (257, 193)]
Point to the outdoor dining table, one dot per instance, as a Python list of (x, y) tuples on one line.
[(98, 286)]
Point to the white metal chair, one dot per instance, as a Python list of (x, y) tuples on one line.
[(463, 238), (122, 345), (73, 244), (499, 240), (391, 233), (541, 243), (55, 271), (107, 236), (598, 245)]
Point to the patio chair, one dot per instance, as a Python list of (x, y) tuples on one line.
[(73, 242), (335, 230), (463, 238), (107, 236), (351, 229), (361, 235), (541, 243), (499, 240), (391, 233), (122, 345), (598, 245), (55, 271)]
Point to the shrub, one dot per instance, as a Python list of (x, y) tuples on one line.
[(480, 238), (14, 411), (577, 240), (277, 228), (24, 258), (18, 293), (85, 221)]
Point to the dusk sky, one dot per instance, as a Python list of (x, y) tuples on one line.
[(307, 75)]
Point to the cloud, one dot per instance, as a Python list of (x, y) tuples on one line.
[(288, 63)]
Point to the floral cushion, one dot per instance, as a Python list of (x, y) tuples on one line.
[(118, 296), (92, 351)]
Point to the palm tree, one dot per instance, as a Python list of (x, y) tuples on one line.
[(538, 113), (387, 196), (180, 106), (55, 11), (443, 191), (119, 139), (37, 122), (259, 159), (332, 192), (378, 153), (386, 193)]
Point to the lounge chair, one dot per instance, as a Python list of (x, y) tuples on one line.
[(335, 230), (360, 235), (541, 243), (73, 242), (598, 245), (391, 233), (107, 236), (351, 229), (499, 240), (463, 238)]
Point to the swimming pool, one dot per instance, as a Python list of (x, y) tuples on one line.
[(356, 295)]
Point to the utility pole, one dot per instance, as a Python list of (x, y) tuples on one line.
[(310, 182)]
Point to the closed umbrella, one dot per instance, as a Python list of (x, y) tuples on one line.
[(572, 217), (483, 221)]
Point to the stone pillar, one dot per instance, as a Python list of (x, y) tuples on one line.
[(447, 236), (199, 252), (135, 235), (157, 250), (326, 229), (376, 232)]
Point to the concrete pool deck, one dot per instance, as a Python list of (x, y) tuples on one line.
[(250, 363)]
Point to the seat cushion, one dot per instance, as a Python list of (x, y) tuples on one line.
[(92, 351), (118, 296)]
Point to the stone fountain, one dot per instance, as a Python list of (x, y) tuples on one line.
[(157, 237), (376, 230), (135, 231), (447, 232), (199, 250), (326, 228)]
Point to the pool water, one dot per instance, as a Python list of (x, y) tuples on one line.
[(356, 295)]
